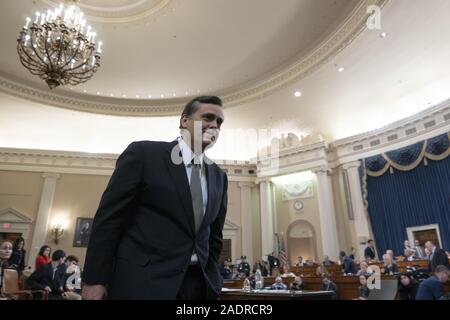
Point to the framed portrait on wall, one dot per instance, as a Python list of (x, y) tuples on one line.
[(82, 232)]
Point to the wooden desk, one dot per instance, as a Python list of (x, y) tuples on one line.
[(239, 294)]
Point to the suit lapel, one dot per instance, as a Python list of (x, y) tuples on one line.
[(178, 172), (211, 179)]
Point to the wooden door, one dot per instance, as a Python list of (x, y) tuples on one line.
[(427, 235), (226, 250)]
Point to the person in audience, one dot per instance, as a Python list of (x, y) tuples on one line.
[(309, 262), (437, 256), (409, 255), (72, 289), (226, 271), (389, 266), (278, 285), (299, 262), (274, 262), (391, 253), (427, 253), (369, 252), (327, 262), (407, 245), (235, 274), (43, 257), (286, 272), (244, 266), (364, 269), (407, 287), (6, 250), (276, 272), (297, 284), (328, 285), (419, 250), (348, 265), (363, 289), (50, 277), (17, 260), (321, 271), (352, 254), (261, 267), (433, 287)]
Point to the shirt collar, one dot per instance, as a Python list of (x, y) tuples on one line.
[(187, 153)]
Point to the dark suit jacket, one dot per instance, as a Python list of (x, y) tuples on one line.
[(143, 234), (43, 277), (369, 253), (439, 258)]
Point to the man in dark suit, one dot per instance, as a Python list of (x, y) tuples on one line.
[(420, 251), (244, 267), (437, 256), (369, 252), (50, 277), (274, 262), (433, 287), (157, 233)]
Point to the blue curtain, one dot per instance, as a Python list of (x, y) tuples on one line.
[(407, 199)]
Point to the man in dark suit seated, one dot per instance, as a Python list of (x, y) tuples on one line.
[(437, 256), (369, 252), (157, 233), (50, 277), (433, 287)]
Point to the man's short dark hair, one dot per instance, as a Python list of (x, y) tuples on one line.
[(441, 268), (370, 240), (194, 104), (72, 258), (58, 254)]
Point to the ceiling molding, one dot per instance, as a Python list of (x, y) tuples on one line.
[(133, 11), (306, 65)]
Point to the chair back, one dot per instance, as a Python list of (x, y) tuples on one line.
[(10, 281)]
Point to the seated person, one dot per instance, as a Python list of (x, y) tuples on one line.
[(286, 272), (328, 285), (348, 265), (225, 271), (279, 285), (391, 253), (235, 273), (409, 255), (364, 269), (299, 262), (407, 287), (389, 266), (50, 277), (261, 267), (433, 287), (297, 284), (244, 266), (327, 262), (363, 290), (309, 263), (276, 272), (321, 271), (6, 250)]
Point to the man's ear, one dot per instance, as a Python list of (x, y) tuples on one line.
[(183, 121)]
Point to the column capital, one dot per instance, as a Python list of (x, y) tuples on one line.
[(353, 164), (263, 180), (246, 184), (47, 175), (321, 171)]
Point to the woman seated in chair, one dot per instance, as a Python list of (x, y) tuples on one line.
[(6, 249)]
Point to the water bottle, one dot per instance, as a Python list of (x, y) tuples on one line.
[(259, 281), (247, 286)]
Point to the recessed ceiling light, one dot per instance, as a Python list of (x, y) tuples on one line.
[(98, 93), (84, 90), (111, 95), (341, 69), (149, 96), (174, 94), (297, 94), (124, 96), (162, 96), (187, 92), (383, 34), (137, 96)]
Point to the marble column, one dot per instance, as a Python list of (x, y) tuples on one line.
[(41, 226), (360, 221), (247, 219), (267, 230), (327, 214)]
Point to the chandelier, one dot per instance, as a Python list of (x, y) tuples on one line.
[(59, 47)]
